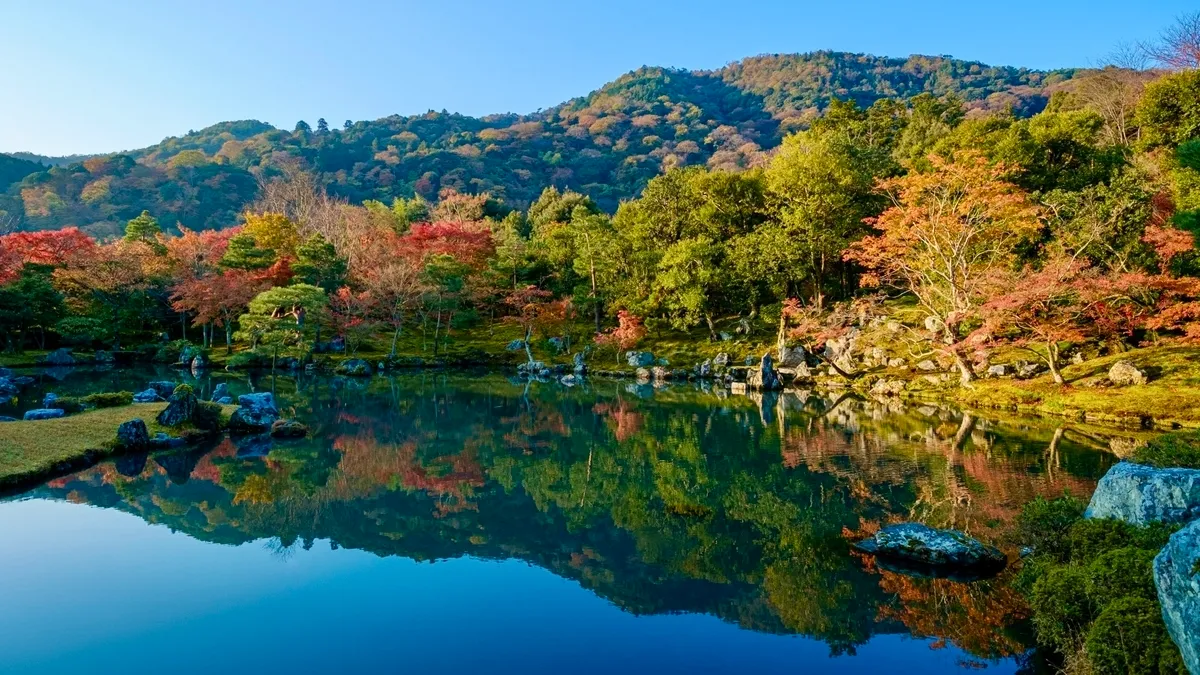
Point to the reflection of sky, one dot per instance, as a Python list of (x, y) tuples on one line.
[(89, 590)]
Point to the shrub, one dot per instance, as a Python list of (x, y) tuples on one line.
[(111, 399), (1179, 449), (1062, 608), (207, 416), (1129, 637), (70, 404), (78, 330), (248, 359), (172, 351), (1125, 572), (1043, 524), (182, 390), (1088, 539)]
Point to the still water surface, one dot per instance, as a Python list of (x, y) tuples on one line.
[(468, 523)]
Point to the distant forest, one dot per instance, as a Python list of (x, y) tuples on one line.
[(606, 145)]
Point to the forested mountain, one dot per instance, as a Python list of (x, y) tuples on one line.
[(13, 169), (607, 144)]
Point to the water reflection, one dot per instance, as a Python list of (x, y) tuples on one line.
[(660, 501)]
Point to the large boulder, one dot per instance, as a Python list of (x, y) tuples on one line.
[(180, 407), (164, 388), (60, 357), (1125, 374), (354, 368), (764, 377), (639, 359), (43, 414), (132, 435), (1142, 494), (148, 396), (933, 551), (1178, 587), (220, 391), (790, 357), (721, 360), (999, 370), (255, 413), (578, 364)]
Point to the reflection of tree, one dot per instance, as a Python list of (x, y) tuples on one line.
[(678, 502)]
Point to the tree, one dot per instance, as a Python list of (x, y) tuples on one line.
[(626, 335), (280, 317), (1169, 112), (145, 229), (398, 283), (322, 126), (27, 303), (243, 253), (195, 254), (1179, 45), (217, 299), (690, 283), (273, 231), (948, 232), (318, 263), (114, 280), (353, 316), (536, 309)]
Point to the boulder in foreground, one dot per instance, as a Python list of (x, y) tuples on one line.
[(43, 414), (1178, 582), (926, 550), (1141, 494)]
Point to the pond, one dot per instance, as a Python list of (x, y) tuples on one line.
[(466, 522)]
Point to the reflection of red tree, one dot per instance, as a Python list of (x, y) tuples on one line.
[(525, 431), (368, 466), (625, 421), (206, 469)]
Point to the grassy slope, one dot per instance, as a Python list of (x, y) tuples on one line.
[(38, 448), (1172, 397)]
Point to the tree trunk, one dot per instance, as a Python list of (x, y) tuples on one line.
[(965, 374), (228, 337), (528, 350), (1052, 361), (395, 337), (712, 330)]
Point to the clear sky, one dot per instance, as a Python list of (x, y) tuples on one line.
[(82, 76)]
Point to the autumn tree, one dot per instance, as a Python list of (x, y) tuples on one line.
[(217, 299), (115, 278), (353, 316), (626, 335), (948, 231), (535, 309)]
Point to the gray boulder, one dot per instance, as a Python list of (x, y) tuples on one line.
[(515, 345), (256, 412), (724, 336), (43, 414), (60, 357), (568, 380), (180, 408), (148, 396), (1142, 494), (940, 552), (722, 360), (886, 387), (643, 374), (49, 399), (999, 370), (639, 359), (164, 388), (132, 435), (705, 370), (790, 357), (533, 369), (1178, 587), (1125, 374), (765, 377), (928, 365), (220, 391)]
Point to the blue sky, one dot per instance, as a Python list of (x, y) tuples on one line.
[(86, 76)]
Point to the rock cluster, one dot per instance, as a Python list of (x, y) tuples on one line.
[(255, 413)]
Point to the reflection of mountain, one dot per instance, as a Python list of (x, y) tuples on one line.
[(678, 502)]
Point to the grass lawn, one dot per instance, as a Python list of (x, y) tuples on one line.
[(1171, 398), (29, 450)]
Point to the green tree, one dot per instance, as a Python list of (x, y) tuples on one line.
[(318, 264), (145, 229), (283, 316), (27, 303), (243, 253)]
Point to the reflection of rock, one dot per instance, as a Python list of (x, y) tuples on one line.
[(59, 357), (1142, 494), (288, 429), (43, 414), (1125, 374), (941, 551), (258, 445), (1175, 576), (179, 465), (131, 465), (132, 435)]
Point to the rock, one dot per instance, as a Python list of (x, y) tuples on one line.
[(722, 360), (748, 361), (6, 418), (354, 368), (928, 365), (515, 346), (533, 369), (43, 414), (220, 391), (60, 357), (132, 435), (790, 357), (765, 377), (579, 366), (1125, 374), (337, 344), (49, 399), (660, 374), (224, 400), (724, 336), (1178, 587), (162, 441), (895, 363), (1077, 358), (148, 396), (180, 407), (999, 370), (933, 324), (199, 363), (705, 370), (163, 388), (568, 380), (639, 359), (558, 344), (256, 412), (1026, 371), (886, 387), (643, 375), (288, 429), (1142, 494), (929, 550)]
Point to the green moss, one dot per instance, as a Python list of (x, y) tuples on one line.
[(1179, 449), (1129, 638)]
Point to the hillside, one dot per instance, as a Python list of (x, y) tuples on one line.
[(607, 144), (13, 169)]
